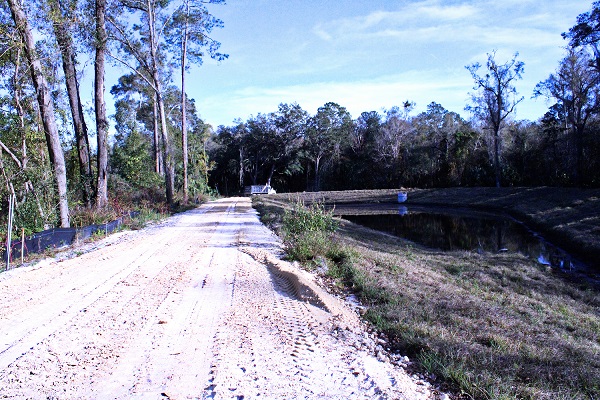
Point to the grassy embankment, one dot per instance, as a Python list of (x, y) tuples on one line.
[(491, 326)]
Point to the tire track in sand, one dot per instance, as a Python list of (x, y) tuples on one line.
[(171, 355), (279, 341), (76, 351)]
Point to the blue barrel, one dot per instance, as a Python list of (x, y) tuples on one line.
[(402, 197)]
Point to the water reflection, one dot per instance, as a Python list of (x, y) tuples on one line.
[(481, 233)]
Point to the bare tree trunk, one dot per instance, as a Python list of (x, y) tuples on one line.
[(20, 111), (158, 163), (101, 120), (46, 110), (271, 172), (497, 172), (65, 42), (578, 131), (184, 141), (28, 186), (317, 175), (241, 171), (167, 154), (255, 174)]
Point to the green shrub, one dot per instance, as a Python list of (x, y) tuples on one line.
[(144, 217), (301, 219), (308, 231), (308, 246)]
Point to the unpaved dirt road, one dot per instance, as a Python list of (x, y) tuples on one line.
[(199, 306)]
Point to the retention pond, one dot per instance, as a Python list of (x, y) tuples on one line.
[(465, 229)]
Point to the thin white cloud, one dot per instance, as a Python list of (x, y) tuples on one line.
[(516, 38), (440, 12), (357, 96), (497, 36), (376, 22), (450, 89), (432, 21)]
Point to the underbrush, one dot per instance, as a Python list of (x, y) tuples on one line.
[(144, 217), (135, 205), (487, 326), (307, 231), (146, 201)]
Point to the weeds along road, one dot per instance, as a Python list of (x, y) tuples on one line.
[(199, 306)]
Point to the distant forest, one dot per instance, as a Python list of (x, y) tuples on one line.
[(60, 166), (436, 148), (295, 151)]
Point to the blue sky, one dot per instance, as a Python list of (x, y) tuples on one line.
[(374, 54)]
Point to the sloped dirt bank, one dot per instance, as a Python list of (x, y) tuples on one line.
[(197, 307)]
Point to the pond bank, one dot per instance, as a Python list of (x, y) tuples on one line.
[(452, 229), (568, 217)]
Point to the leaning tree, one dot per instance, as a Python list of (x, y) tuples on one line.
[(46, 108)]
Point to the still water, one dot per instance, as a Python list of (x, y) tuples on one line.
[(465, 230)]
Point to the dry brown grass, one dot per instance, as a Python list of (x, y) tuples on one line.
[(494, 326)]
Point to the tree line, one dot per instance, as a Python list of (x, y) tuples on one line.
[(51, 163), (46, 158), (294, 151)]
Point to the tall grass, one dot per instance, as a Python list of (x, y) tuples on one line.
[(308, 231)]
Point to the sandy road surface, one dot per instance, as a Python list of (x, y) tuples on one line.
[(196, 307)]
